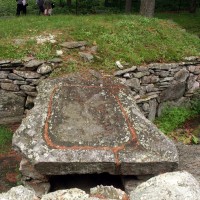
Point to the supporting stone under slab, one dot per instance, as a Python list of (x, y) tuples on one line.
[(31, 178), (131, 182), (82, 124)]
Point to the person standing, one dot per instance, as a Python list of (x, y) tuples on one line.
[(21, 6), (47, 7), (25, 4), (40, 4)]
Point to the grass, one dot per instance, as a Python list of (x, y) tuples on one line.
[(129, 38), (172, 120), (188, 21), (5, 139)]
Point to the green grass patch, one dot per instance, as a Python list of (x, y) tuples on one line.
[(188, 21), (172, 119), (5, 139), (129, 38)]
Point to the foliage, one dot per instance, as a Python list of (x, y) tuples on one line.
[(195, 102), (8, 7), (5, 138), (188, 21), (185, 136), (171, 5), (68, 67), (172, 119)]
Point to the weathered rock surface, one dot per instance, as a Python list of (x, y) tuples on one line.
[(28, 88), (11, 107), (81, 124), (27, 74), (10, 87), (3, 74), (33, 63), (168, 186), (70, 194), (73, 44), (181, 75), (19, 193), (173, 92), (122, 72), (44, 69), (56, 60), (88, 57), (108, 192), (195, 69), (189, 159), (97, 193)]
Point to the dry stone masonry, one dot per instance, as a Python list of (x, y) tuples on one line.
[(155, 85), (18, 82)]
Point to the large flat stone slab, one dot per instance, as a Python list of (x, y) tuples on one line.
[(84, 124)]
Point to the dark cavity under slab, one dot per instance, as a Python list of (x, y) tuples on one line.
[(83, 124), (85, 182)]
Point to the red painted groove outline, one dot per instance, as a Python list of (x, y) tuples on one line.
[(115, 150)]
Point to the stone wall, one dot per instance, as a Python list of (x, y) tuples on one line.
[(152, 85), (18, 81), (155, 85)]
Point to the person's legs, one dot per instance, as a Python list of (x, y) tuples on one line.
[(18, 9), (45, 11), (50, 11), (24, 9), (41, 9)]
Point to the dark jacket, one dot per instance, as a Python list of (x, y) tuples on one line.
[(19, 1), (40, 2)]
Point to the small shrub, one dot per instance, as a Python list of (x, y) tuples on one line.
[(195, 103), (172, 118)]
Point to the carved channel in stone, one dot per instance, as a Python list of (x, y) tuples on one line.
[(87, 120)]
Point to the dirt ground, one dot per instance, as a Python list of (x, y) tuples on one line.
[(9, 166), (189, 156), (9, 170)]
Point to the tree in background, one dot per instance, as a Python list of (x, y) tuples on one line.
[(193, 6), (128, 6), (69, 3), (147, 8)]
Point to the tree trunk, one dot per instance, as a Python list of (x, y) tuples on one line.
[(193, 6), (69, 3), (106, 3), (147, 8), (128, 6)]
